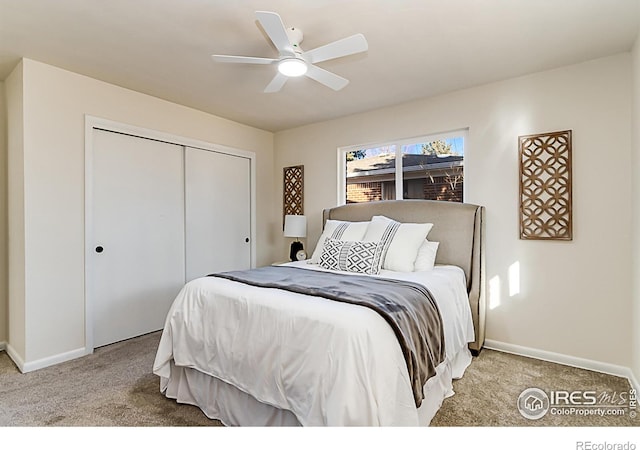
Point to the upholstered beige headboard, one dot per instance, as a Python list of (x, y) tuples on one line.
[(459, 227)]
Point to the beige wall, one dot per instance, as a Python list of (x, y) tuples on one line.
[(14, 89), (636, 209), (55, 104), (4, 251), (574, 296)]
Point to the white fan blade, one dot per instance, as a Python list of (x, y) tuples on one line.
[(344, 47), (273, 26), (325, 77), (242, 59), (276, 84)]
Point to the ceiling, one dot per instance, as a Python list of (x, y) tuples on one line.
[(417, 48)]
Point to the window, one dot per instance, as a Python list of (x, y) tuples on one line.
[(429, 167)]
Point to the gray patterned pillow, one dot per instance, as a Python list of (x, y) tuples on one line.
[(352, 256)]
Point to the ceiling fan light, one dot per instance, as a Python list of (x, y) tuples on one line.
[(292, 67)]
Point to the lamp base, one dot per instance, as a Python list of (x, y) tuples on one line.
[(295, 247)]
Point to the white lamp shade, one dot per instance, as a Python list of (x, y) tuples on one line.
[(295, 226)]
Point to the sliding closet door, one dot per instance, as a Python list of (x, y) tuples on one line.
[(138, 254), (218, 212)]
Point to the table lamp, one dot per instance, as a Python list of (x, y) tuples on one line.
[(296, 226)]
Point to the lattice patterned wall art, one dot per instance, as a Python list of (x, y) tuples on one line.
[(293, 191), (545, 186)]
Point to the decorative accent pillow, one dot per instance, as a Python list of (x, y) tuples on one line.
[(338, 229), (426, 258), (352, 256), (405, 241)]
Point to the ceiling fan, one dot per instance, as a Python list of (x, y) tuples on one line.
[(293, 61)]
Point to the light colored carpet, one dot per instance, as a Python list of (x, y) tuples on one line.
[(487, 394), (115, 387)]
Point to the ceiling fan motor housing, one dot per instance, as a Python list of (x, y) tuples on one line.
[(295, 37)]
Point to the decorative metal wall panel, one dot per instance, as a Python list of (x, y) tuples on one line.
[(545, 186), (293, 191)]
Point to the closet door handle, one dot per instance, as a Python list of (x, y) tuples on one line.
[(99, 249), (246, 239)]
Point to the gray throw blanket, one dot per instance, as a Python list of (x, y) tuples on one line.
[(408, 307)]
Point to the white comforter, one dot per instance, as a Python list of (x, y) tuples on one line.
[(328, 362)]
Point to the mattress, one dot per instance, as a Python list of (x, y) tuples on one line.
[(254, 356)]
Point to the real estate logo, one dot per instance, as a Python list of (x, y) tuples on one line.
[(533, 403)]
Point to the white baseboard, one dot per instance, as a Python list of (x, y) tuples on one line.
[(3, 346), (566, 360), (43, 362), (15, 357)]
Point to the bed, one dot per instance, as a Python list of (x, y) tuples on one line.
[(251, 355)]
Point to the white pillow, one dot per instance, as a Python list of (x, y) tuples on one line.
[(426, 258), (406, 239), (338, 229), (352, 256)]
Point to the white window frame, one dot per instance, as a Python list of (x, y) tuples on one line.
[(342, 157)]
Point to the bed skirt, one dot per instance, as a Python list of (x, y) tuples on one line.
[(233, 407)]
